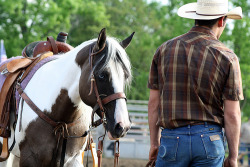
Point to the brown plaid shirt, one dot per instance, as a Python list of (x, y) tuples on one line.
[(194, 73)]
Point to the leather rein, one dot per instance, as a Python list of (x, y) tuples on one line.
[(61, 128)]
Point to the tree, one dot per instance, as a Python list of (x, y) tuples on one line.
[(241, 44), (88, 21), (126, 17), (27, 21)]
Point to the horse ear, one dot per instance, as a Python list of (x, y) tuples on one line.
[(101, 40), (127, 41)]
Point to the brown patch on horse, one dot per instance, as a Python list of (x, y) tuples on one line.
[(82, 59), (40, 142), (64, 110), (82, 56)]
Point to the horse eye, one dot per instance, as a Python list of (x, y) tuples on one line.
[(101, 76)]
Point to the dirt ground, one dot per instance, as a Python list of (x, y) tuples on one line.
[(109, 162)]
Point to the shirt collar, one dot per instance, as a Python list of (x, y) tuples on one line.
[(203, 30)]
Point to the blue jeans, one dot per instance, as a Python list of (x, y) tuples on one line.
[(192, 146)]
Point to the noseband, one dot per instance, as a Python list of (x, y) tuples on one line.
[(100, 102)]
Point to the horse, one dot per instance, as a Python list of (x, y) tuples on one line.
[(67, 90)]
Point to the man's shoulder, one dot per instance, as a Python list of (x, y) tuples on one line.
[(172, 41), (194, 38), (224, 50), (199, 40)]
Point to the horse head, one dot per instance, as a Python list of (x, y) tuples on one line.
[(106, 70)]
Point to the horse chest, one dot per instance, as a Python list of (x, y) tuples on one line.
[(36, 137)]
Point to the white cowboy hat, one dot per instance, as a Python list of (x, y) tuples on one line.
[(208, 10)]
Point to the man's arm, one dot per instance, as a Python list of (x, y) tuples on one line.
[(232, 118), (153, 107)]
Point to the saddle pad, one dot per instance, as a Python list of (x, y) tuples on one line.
[(16, 63), (31, 74)]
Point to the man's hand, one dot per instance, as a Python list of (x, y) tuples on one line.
[(230, 163), (153, 152)]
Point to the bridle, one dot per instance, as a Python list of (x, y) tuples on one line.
[(61, 128), (100, 102)]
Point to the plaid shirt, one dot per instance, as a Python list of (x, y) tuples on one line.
[(194, 73)]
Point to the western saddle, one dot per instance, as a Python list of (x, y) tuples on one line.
[(15, 72)]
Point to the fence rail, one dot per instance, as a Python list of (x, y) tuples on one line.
[(138, 114)]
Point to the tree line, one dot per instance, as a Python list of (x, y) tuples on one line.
[(25, 21)]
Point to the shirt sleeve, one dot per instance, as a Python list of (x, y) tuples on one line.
[(233, 88), (153, 73)]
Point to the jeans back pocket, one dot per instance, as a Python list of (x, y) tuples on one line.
[(168, 148), (213, 144)]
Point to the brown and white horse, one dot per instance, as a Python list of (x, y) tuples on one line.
[(61, 89)]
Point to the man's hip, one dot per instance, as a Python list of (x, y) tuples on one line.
[(197, 145)]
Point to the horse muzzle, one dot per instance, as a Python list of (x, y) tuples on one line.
[(118, 132)]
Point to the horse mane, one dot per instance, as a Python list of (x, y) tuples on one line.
[(115, 52)]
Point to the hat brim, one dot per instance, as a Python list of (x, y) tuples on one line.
[(189, 11)]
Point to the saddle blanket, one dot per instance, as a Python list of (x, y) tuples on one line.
[(29, 76)]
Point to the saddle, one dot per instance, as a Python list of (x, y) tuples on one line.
[(59, 46), (15, 72)]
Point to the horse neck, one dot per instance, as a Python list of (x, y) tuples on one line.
[(64, 79), (68, 74)]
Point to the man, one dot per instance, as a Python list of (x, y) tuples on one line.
[(245, 141), (195, 88)]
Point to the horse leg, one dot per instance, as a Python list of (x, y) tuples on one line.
[(4, 164), (12, 161), (76, 161), (15, 161), (28, 158), (28, 161)]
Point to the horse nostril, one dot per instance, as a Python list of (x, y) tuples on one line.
[(119, 130)]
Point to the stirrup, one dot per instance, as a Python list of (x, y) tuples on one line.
[(93, 153), (5, 152)]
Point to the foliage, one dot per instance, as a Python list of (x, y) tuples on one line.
[(25, 21), (126, 17), (88, 21)]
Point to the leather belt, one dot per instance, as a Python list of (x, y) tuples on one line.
[(203, 123)]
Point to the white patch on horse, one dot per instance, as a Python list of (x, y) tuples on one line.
[(121, 111), (45, 86), (118, 82)]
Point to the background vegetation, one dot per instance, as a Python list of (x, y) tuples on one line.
[(25, 21)]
